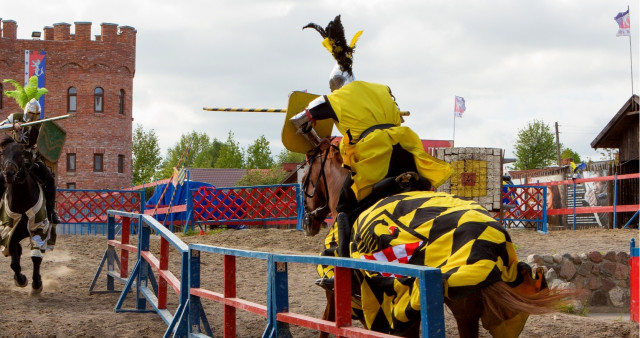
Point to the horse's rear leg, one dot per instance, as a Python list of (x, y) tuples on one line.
[(36, 283), (15, 249), (467, 312)]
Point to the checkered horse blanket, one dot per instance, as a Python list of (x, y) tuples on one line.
[(435, 229)]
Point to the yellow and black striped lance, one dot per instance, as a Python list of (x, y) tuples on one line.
[(263, 110), (291, 139), (247, 110)]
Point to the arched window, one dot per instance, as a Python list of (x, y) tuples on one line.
[(121, 102), (72, 99), (98, 100)]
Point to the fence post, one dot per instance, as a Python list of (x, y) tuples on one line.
[(299, 207), (143, 199), (634, 283), (544, 209), (574, 204), (615, 199)]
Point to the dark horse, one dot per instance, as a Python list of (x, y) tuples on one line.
[(442, 227), (22, 213)]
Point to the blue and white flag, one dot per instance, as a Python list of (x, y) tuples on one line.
[(459, 107), (624, 23)]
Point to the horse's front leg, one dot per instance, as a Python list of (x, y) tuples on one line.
[(15, 249), (329, 311), (36, 283)]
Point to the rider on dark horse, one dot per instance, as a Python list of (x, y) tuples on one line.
[(28, 136), (374, 145)]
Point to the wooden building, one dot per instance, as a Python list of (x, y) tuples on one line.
[(622, 133)]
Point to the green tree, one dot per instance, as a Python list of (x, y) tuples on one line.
[(535, 147), (231, 155), (194, 142), (569, 153), (146, 155), (286, 156), (208, 157), (262, 177), (259, 154)]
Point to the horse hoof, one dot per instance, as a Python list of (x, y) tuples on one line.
[(20, 280), (36, 287)]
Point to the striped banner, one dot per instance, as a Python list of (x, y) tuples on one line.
[(34, 64)]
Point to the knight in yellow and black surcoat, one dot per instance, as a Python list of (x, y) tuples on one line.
[(374, 145)]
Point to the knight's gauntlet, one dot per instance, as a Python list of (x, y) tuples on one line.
[(304, 123)]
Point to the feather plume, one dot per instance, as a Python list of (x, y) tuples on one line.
[(23, 95), (335, 42)]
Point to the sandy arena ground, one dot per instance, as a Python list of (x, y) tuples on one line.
[(65, 308)]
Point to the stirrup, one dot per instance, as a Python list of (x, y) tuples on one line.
[(325, 283)]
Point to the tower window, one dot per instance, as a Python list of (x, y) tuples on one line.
[(72, 99), (98, 162), (120, 164), (71, 162), (98, 100), (121, 102)]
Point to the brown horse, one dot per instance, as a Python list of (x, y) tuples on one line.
[(502, 307)]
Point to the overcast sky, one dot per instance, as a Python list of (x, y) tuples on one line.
[(512, 61)]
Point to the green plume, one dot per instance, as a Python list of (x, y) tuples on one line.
[(21, 94)]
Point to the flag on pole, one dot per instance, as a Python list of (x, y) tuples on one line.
[(459, 106), (624, 23)]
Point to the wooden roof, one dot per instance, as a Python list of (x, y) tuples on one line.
[(611, 135)]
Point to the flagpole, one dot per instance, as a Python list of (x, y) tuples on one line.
[(454, 130), (630, 52)]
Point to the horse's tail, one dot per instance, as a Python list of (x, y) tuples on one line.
[(503, 300)]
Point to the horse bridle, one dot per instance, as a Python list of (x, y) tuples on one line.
[(18, 170), (311, 214)]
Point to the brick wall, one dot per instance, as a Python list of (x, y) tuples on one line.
[(74, 60)]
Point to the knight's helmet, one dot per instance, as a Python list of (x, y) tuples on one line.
[(31, 111), (335, 42)]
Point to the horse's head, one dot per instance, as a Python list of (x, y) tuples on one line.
[(321, 184), (11, 159)]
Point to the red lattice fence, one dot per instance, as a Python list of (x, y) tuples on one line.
[(259, 205), (90, 206), (523, 205)]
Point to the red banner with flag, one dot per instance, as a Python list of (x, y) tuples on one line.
[(34, 64)]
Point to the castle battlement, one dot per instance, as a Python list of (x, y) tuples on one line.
[(109, 32), (91, 79)]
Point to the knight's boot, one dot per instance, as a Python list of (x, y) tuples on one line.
[(344, 234), (52, 214)]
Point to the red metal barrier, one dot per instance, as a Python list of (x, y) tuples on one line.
[(523, 203), (90, 206), (245, 203)]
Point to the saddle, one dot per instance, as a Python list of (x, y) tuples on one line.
[(405, 182)]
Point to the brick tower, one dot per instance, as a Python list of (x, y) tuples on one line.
[(93, 81)]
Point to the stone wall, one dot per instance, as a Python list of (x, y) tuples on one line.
[(603, 278), (477, 174)]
